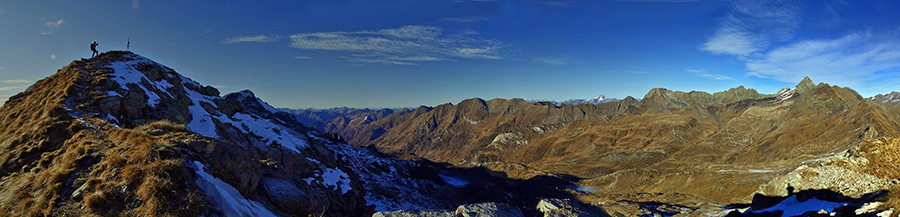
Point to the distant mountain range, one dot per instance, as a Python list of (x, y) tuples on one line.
[(339, 118), (596, 100), (892, 98)]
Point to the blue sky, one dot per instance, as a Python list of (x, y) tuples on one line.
[(321, 54)]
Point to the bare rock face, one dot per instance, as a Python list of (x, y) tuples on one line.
[(488, 210), (417, 213), (467, 210), (805, 85), (552, 207)]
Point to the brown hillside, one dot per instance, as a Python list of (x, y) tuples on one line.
[(78, 143), (708, 147)]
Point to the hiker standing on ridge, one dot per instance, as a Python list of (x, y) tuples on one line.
[(94, 48), (128, 44)]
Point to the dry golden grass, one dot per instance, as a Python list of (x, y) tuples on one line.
[(141, 176), (884, 156), (168, 126)]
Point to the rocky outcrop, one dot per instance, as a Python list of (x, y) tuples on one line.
[(805, 85), (552, 207), (488, 209), (417, 213), (466, 210), (129, 136), (832, 173)]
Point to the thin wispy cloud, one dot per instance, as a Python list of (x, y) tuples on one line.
[(852, 60), (257, 38), (732, 41), (135, 4), (557, 3), (703, 73), (466, 19), (557, 60), (9, 88), (15, 81), (750, 26), (636, 71), (659, 1), (302, 57), (407, 45), (53, 26)]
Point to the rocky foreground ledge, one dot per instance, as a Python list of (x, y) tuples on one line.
[(546, 207)]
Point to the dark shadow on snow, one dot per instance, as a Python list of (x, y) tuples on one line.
[(761, 202)]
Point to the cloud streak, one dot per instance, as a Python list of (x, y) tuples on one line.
[(15, 81), (751, 26), (407, 45), (749, 30), (466, 19), (135, 4), (852, 60), (55, 24), (659, 1), (9, 88), (257, 38), (703, 73), (557, 60)]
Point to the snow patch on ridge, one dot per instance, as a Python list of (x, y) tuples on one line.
[(337, 179), (792, 207), (785, 95), (126, 73), (227, 198), (202, 122), (269, 131), (582, 189), (454, 181), (384, 182)]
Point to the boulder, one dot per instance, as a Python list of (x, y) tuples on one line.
[(488, 210), (417, 213), (564, 207)]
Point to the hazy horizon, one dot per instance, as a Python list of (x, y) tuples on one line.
[(361, 54)]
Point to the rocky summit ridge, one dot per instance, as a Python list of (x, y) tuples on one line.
[(122, 135)]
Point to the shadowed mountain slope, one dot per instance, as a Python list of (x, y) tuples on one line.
[(701, 147), (122, 135)]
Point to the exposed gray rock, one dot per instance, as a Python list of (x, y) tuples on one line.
[(563, 208), (805, 85), (417, 213), (158, 132), (488, 210)]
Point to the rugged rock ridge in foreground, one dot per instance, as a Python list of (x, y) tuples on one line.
[(124, 135), (119, 134)]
